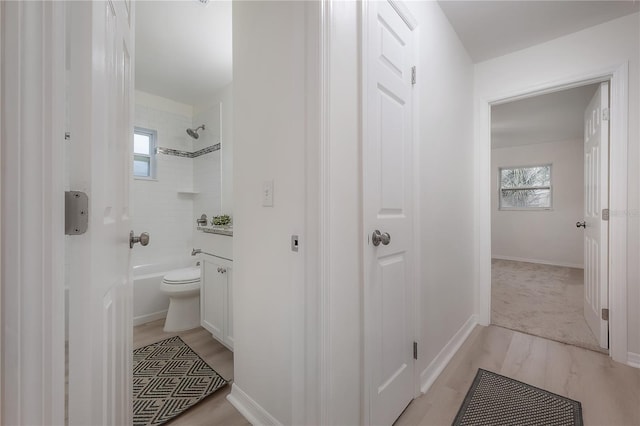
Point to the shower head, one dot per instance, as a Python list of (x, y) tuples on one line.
[(194, 132)]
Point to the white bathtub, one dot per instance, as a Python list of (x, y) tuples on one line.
[(149, 303)]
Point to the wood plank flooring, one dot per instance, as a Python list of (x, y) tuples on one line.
[(609, 391), (215, 409)]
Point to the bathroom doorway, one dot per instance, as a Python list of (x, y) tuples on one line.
[(182, 194)]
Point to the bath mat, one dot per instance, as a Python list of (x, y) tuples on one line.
[(168, 378), (498, 400)]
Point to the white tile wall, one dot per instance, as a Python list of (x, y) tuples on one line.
[(158, 207), (206, 168), (206, 181)]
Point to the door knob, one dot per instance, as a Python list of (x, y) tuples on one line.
[(378, 237), (579, 224), (143, 239)]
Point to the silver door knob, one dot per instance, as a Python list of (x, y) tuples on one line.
[(143, 239), (579, 224), (378, 237)]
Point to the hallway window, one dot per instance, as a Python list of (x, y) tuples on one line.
[(144, 153), (525, 188)]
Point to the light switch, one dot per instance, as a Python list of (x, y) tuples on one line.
[(267, 193)]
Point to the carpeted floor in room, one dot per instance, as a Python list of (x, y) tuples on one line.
[(542, 300)]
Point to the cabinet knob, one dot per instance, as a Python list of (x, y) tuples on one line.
[(222, 270)]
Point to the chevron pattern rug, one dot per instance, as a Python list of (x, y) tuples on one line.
[(168, 378)]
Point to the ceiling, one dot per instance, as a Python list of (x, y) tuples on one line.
[(553, 117), (489, 29), (183, 49)]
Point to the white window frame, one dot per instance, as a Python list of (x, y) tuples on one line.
[(153, 151), (549, 187)]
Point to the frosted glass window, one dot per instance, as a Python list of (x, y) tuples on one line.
[(141, 143), (141, 166), (525, 188), (144, 153)]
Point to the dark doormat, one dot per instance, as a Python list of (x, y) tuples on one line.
[(498, 400), (168, 378)]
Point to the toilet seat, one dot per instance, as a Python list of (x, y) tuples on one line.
[(182, 276)]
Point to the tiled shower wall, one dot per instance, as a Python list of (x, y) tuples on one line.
[(185, 187), (159, 207), (206, 167)]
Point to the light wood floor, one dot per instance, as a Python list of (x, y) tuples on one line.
[(609, 391), (215, 409)]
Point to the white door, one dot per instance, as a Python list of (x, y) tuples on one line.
[(387, 208), (98, 262), (596, 230)]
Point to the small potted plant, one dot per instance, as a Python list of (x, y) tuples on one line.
[(222, 220)]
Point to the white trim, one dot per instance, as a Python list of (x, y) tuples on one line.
[(538, 261), (633, 359), (440, 362), (324, 219), (32, 144), (618, 76), (143, 319), (251, 410), (404, 13)]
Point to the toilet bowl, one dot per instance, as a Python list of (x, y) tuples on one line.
[(183, 288)]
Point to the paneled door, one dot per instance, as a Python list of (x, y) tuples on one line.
[(596, 199), (387, 210), (99, 163)]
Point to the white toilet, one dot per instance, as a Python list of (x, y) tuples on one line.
[(183, 288)]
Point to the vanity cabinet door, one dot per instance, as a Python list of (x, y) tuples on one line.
[(213, 298), (228, 330)]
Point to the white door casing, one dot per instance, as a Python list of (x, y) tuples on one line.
[(99, 163), (388, 207), (596, 198)]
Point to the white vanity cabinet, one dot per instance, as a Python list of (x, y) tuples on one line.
[(216, 299)]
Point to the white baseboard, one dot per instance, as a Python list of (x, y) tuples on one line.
[(541, 262), (143, 319), (633, 359), (433, 370), (251, 410)]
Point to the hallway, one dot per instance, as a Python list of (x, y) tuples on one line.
[(609, 391)]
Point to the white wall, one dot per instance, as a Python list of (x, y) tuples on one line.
[(445, 173), (158, 207), (612, 43), (269, 134), (542, 236)]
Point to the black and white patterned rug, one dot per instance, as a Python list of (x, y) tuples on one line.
[(168, 378), (498, 400)]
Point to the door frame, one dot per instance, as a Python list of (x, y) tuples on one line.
[(33, 117), (618, 75)]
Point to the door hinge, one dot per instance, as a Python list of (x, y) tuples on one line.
[(605, 314), (76, 212), (605, 114), (605, 214), (413, 76), (415, 350)]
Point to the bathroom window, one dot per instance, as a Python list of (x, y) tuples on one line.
[(525, 188), (144, 153)]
